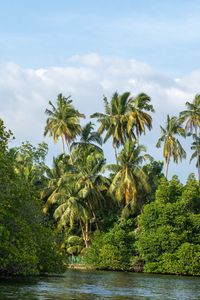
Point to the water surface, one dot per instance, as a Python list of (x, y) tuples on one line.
[(91, 285)]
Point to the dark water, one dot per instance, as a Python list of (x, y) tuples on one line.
[(102, 285)]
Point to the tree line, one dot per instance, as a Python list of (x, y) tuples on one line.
[(114, 221)]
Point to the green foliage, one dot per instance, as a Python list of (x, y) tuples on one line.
[(27, 242), (172, 148), (168, 238), (112, 250), (30, 163)]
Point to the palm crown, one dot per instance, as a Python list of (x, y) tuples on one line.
[(63, 121), (125, 118), (172, 146)]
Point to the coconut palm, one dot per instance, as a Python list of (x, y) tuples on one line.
[(172, 147), (89, 139), (113, 122), (63, 121), (138, 118), (58, 177), (72, 209), (129, 176), (77, 192), (191, 118), (92, 184), (124, 118)]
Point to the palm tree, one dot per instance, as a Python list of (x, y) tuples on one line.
[(89, 139), (123, 115), (196, 154), (92, 184), (57, 179), (72, 209), (129, 176), (113, 122), (63, 121), (172, 146), (138, 117), (77, 192), (191, 118)]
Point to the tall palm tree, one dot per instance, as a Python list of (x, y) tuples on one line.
[(138, 117), (63, 121), (172, 146), (123, 116), (113, 122), (191, 118), (129, 176)]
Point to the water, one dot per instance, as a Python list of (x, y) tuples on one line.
[(91, 285)]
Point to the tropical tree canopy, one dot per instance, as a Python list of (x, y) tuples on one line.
[(63, 121), (130, 178), (191, 116), (125, 117), (172, 147), (89, 139)]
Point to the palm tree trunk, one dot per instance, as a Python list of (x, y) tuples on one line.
[(83, 234), (63, 144), (126, 196), (69, 150), (94, 215), (86, 234), (198, 154), (115, 149), (167, 167)]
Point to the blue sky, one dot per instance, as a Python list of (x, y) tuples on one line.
[(91, 48), (43, 33)]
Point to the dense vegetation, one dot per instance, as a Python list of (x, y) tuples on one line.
[(133, 218)]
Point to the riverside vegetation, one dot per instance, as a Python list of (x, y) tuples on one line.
[(133, 218)]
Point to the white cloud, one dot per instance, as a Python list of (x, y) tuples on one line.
[(24, 93)]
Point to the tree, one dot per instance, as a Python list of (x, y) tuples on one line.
[(168, 231), (123, 116), (191, 118), (30, 163), (24, 232), (73, 209), (63, 121), (112, 250), (172, 146), (130, 179), (89, 139), (57, 179), (138, 117), (77, 192)]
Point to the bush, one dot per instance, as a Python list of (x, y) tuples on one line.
[(112, 250), (168, 238)]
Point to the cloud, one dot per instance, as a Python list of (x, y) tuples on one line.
[(24, 93)]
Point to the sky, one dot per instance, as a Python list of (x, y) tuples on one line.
[(88, 49)]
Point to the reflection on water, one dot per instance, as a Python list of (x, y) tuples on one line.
[(91, 285)]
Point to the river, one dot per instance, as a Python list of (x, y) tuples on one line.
[(91, 285)]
